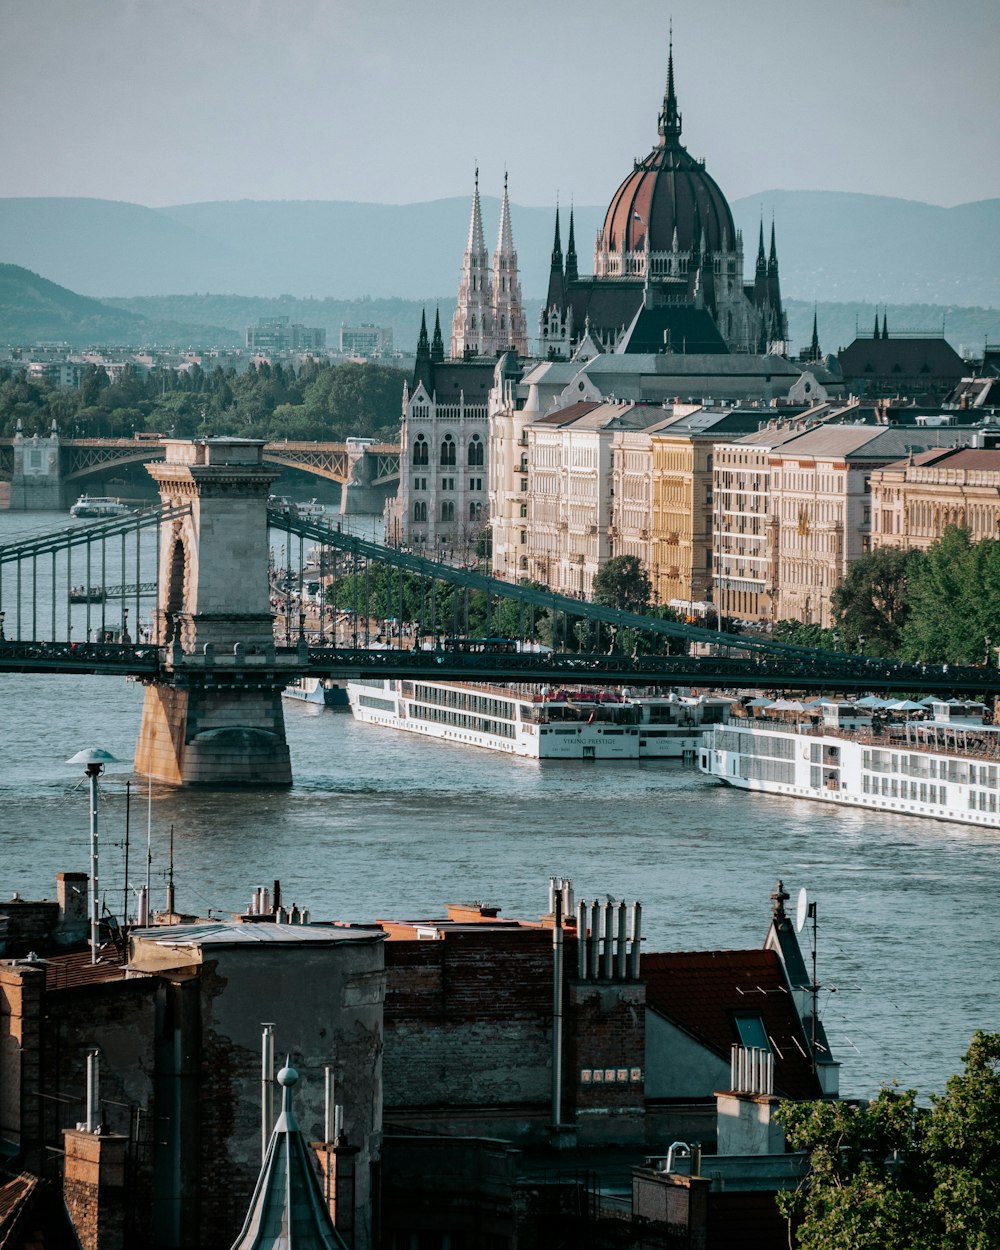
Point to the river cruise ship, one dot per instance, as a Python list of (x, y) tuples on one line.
[(945, 766), (546, 723)]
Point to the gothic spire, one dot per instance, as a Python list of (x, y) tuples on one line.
[(572, 273), (876, 334), (761, 255), (772, 260), (505, 240), (423, 345), (885, 324), (423, 369), (437, 343), (557, 289), (670, 118), (814, 352), (476, 244), (557, 257)]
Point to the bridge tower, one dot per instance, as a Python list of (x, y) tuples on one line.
[(216, 718), (36, 482)]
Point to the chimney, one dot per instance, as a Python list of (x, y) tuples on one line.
[(94, 1187), (71, 894)]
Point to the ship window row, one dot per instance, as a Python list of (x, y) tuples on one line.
[(914, 791), (480, 704), (463, 720), (984, 801), (758, 769), (957, 771), (763, 744), (378, 705)]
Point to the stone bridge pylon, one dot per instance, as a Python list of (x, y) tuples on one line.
[(209, 720)]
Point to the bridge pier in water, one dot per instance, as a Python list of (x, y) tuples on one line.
[(36, 480), (215, 717)]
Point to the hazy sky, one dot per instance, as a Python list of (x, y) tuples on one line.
[(173, 101)]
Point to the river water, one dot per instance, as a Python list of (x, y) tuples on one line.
[(385, 824)]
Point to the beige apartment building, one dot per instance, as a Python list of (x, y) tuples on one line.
[(916, 499), (683, 512)]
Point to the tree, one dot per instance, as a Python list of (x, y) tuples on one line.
[(954, 600), (871, 602), (623, 583), (894, 1175)]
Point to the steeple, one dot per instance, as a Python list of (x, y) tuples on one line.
[(437, 344), (509, 325), (423, 369), (670, 118), (572, 273), (288, 1208), (876, 334), (777, 329), (814, 352), (885, 324), (760, 287), (472, 326), (772, 260), (557, 292)]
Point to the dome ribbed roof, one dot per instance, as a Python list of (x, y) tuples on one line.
[(669, 191)]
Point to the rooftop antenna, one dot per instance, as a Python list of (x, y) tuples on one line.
[(805, 910)]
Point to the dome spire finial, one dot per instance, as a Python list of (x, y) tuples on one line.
[(670, 118)]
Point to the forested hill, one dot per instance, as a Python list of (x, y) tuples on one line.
[(35, 310), (831, 246)]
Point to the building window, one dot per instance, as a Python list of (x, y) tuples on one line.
[(524, 510), (448, 450), (475, 483), (476, 451), (448, 510), (421, 451), (420, 510), (475, 511)]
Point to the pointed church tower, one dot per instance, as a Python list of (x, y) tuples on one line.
[(472, 331), (423, 369), (778, 326), (876, 334), (760, 276), (557, 286), (508, 309), (437, 343), (814, 351), (885, 324), (572, 272)]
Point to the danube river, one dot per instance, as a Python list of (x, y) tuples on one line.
[(384, 824)]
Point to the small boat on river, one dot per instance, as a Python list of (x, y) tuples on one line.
[(87, 594), (98, 506), (319, 691)]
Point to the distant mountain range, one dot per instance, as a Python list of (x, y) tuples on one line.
[(34, 310), (831, 247)]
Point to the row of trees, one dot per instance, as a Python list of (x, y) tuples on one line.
[(940, 605), (895, 1175), (319, 401)]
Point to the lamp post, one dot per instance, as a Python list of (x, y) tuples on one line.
[(93, 761)]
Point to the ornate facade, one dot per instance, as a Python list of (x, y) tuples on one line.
[(668, 266), (489, 316)]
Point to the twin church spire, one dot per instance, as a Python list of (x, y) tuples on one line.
[(489, 316)]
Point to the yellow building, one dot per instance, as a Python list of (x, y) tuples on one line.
[(915, 500)]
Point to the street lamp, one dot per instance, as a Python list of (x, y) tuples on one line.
[(93, 761)]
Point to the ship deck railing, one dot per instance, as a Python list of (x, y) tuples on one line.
[(983, 742)]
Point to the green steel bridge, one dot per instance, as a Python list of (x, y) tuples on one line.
[(45, 626)]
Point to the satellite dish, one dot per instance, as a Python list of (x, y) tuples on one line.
[(801, 909)]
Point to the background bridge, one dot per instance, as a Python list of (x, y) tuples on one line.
[(49, 472)]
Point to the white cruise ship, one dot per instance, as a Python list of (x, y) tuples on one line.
[(541, 724), (946, 767), (98, 505)]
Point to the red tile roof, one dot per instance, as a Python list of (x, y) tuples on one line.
[(701, 992)]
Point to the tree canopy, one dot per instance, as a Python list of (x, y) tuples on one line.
[(623, 583), (870, 605), (895, 1175)]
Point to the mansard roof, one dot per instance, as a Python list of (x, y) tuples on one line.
[(930, 358)]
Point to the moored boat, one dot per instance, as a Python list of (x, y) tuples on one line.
[(97, 506), (87, 594), (943, 764), (320, 691), (541, 724), (311, 510)]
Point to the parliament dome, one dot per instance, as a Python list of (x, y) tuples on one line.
[(669, 192)]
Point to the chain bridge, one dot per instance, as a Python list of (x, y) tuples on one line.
[(186, 598)]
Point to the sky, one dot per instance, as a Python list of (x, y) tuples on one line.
[(162, 102)]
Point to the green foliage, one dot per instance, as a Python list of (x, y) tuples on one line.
[(954, 598), (801, 635), (871, 603), (623, 583), (321, 402), (893, 1175)]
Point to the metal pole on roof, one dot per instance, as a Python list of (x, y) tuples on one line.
[(557, 995)]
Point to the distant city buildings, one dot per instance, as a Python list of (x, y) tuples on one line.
[(366, 341), (280, 334)]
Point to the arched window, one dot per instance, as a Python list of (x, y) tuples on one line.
[(420, 510), (475, 511), (476, 451), (421, 451), (448, 510), (448, 450)]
